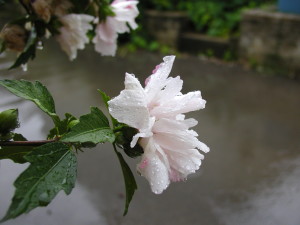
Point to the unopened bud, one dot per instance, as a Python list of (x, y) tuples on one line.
[(8, 121), (61, 8), (14, 37), (42, 8)]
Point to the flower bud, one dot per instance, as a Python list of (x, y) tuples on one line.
[(8, 121), (42, 8), (14, 37)]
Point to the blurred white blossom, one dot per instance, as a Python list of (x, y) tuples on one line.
[(107, 31), (156, 111), (73, 33)]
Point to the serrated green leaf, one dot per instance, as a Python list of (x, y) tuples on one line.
[(93, 127), (130, 184), (15, 153), (35, 92), (52, 169)]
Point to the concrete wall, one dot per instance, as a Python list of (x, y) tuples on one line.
[(271, 39)]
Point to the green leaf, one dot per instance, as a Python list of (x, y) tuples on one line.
[(8, 122), (35, 92), (19, 137), (93, 127), (52, 169), (29, 50), (63, 126), (15, 153), (105, 99), (130, 184)]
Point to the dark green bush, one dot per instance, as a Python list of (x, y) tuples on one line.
[(217, 17)]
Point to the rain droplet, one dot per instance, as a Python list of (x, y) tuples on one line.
[(24, 67), (64, 181), (44, 199), (40, 45)]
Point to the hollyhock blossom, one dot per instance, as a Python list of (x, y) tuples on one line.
[(73, 33), (156, 111), (107, 31)]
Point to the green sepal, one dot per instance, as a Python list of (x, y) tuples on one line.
[(93, 127), (124, 137), (53, 168)]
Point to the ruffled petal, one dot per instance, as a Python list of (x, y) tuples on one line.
[(191, 101), (158, 80), (172, 88), (130, 106), (73, 33), (153, 168), (126, 11)]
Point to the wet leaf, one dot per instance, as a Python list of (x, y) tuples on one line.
[(35, 92), (15, 153), (93, 127), (130, 184), (52, 169)]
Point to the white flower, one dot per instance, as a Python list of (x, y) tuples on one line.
[(107, 32), (73, 33), (156, 111)]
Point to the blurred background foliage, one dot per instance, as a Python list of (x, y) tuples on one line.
[(215, 18)]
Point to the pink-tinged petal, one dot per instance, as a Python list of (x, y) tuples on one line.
[(73, 33), (105, 48), (153, 168), (105, 32), (126, 11), (158, 79), (130, 106)]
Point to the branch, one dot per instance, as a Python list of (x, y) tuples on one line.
[(25, 143)]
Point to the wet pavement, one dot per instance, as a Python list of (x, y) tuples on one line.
[(251, 123)]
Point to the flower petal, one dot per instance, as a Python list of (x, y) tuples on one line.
[(158, 80), (153, 168), (130, 106), (191, 101)]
